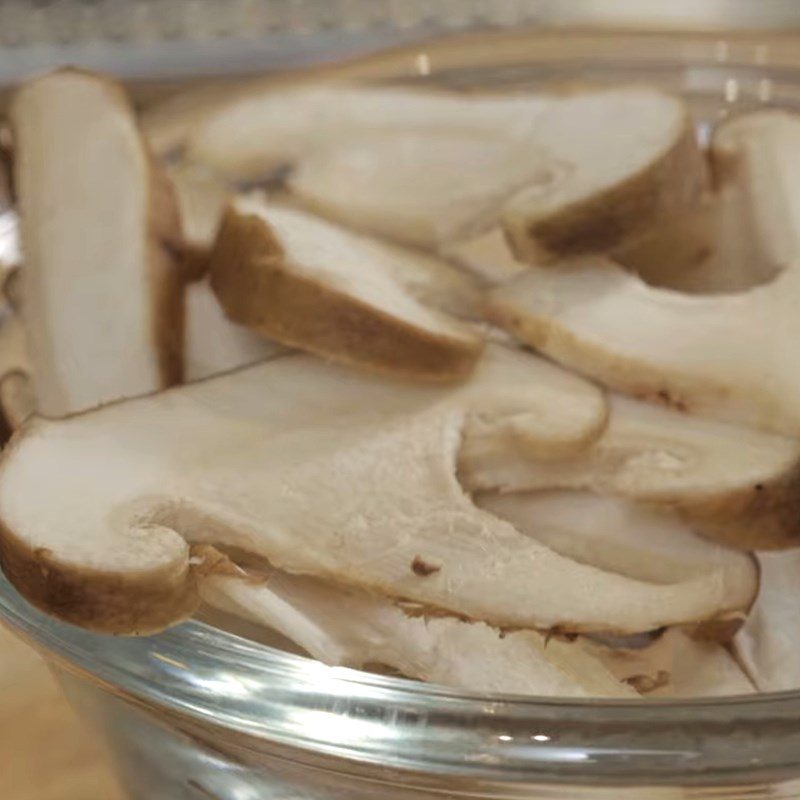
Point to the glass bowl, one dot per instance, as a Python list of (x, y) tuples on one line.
[(197, 713)]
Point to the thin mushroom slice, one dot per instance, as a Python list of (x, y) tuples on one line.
[(17, 402), (102, 295), (710, 250), (675, 252), (202, 198), (766, 646), (749, 151), (319, 470), (626, 160), (733, 240), (420, 188), (259, 132), (11, 289), (168, 122), (535, 407), (487, 256), (736, 485), (616, 535), (722, 356), (348, 627), (10, 254), (313, 285), (214, 344), (556, 189), (675, 665)]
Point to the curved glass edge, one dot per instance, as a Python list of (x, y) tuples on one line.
[(219, 681)]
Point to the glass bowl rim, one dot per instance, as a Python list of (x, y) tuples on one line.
[(214, 679)]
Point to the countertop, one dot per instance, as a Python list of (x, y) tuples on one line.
[(45, 751)]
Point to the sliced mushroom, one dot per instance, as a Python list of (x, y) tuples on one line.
[(638, 167), (488, 256), (557, 190), (418, 187), (737, 260), (102, 294), (259, 132), (11, 289), (736, 485), (16, 394), (755, 151), (10, 255), (710, 251), (767, 645), (232, 460), (214, 344), (17, 401), (169, 121), (676, 665), (615, 535), (534, 406), (202, 199), (310, 284), (723, 356), (349, 627), (731, 241), (678, 250)]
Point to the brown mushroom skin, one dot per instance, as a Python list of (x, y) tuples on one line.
[(608, 219), (250, 278)]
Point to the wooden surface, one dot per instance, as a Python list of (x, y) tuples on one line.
[(45, 752)]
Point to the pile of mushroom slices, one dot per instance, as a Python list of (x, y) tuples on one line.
[(495, 391)]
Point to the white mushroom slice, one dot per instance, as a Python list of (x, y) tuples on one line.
[(616, 535), (733, 240), (319, 470), (533, 404), (169, 121), (256, 133), (767, 644), (676, 665), (710, 251), (751, 150), (537, 408), (10, 255), (723, 356), (214, 344), (488, 256), (202, 199), (418, 187), (627, 160), (17, 402), (348, 627), (737, 261), (704, 669), (102, 294), (308, 283), (676, 250), (734, 484), (558, 189), (11, 289)]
